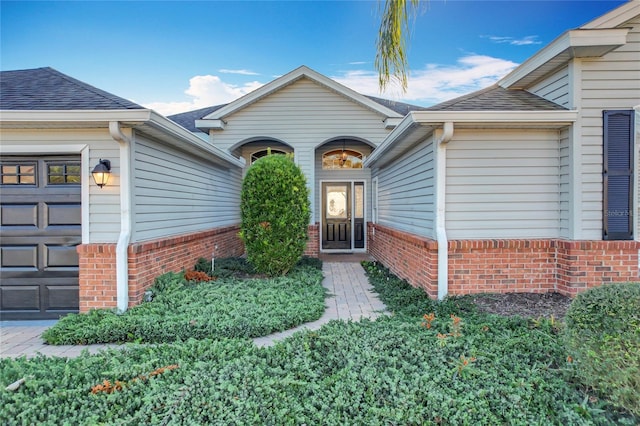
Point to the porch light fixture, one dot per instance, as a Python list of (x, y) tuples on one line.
[(101, 172)]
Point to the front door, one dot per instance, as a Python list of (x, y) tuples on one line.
[(336, 233)]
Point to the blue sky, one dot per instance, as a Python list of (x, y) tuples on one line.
[(179, 56)]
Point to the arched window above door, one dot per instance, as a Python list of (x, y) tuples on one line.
[(342, 159), (263, 153)]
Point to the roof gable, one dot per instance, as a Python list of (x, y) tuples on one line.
[(48, 89), (292, 77)]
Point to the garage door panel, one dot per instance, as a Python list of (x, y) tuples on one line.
[(19, 257), (61, 257), (20, 298), (19, 215), (63, 214), (62, 297)]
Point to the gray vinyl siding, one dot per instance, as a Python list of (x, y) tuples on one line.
[(104, 203), (608, 83), (304, 115), (177, 193), (565, 183), (406, 192), (503, 184), (346, 175), (554, 88)]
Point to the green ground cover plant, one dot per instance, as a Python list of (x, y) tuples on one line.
[(448, 365), (603, 335), (226, 307)]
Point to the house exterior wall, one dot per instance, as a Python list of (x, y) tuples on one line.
[(607, 83), (303, 115), (183, 208), (554, 88), (503, 184), (406, 192), (565, 183), (176, 193)]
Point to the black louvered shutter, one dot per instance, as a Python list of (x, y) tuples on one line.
[(618, 175)]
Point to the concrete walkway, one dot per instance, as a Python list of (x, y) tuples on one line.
[(350, 297)]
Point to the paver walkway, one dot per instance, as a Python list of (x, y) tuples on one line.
[(350, 297)]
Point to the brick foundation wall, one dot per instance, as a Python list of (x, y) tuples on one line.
[(586, 264), (408, 256), (313, 245), (147, 260), (501, 266), (97, 276)]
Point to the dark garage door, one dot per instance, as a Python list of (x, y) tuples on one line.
[(40, 228)]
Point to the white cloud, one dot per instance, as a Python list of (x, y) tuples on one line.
[(205, 91), (241, 72), (435, 82), (524, 41)]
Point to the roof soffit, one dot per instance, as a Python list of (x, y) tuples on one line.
[(217, 117)]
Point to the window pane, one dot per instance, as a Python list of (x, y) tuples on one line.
[(359, 201), (340, 159), (28, 179), (18, 174), (60, 174)]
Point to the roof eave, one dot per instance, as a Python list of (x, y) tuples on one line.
[(144, 120), (581, 43), (419, 124)]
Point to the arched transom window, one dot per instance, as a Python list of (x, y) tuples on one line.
[(342, 159), (257, 155)]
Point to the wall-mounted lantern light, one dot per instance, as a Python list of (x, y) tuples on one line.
[(101, 172)]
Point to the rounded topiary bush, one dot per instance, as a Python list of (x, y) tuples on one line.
[(603, 336), (275, 214)]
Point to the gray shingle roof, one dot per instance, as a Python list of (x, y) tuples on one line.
[(496, 98), (188, 119), (48, 89), (399, 107)]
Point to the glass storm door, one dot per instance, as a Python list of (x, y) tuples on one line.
[(343, 226), (337, 216)]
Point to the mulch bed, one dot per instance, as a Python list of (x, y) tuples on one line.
[(528, 305)]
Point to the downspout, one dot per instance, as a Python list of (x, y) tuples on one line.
[(441, 188), (122, 256)]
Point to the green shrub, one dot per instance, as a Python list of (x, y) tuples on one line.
[(603, 335), (275, 214)]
